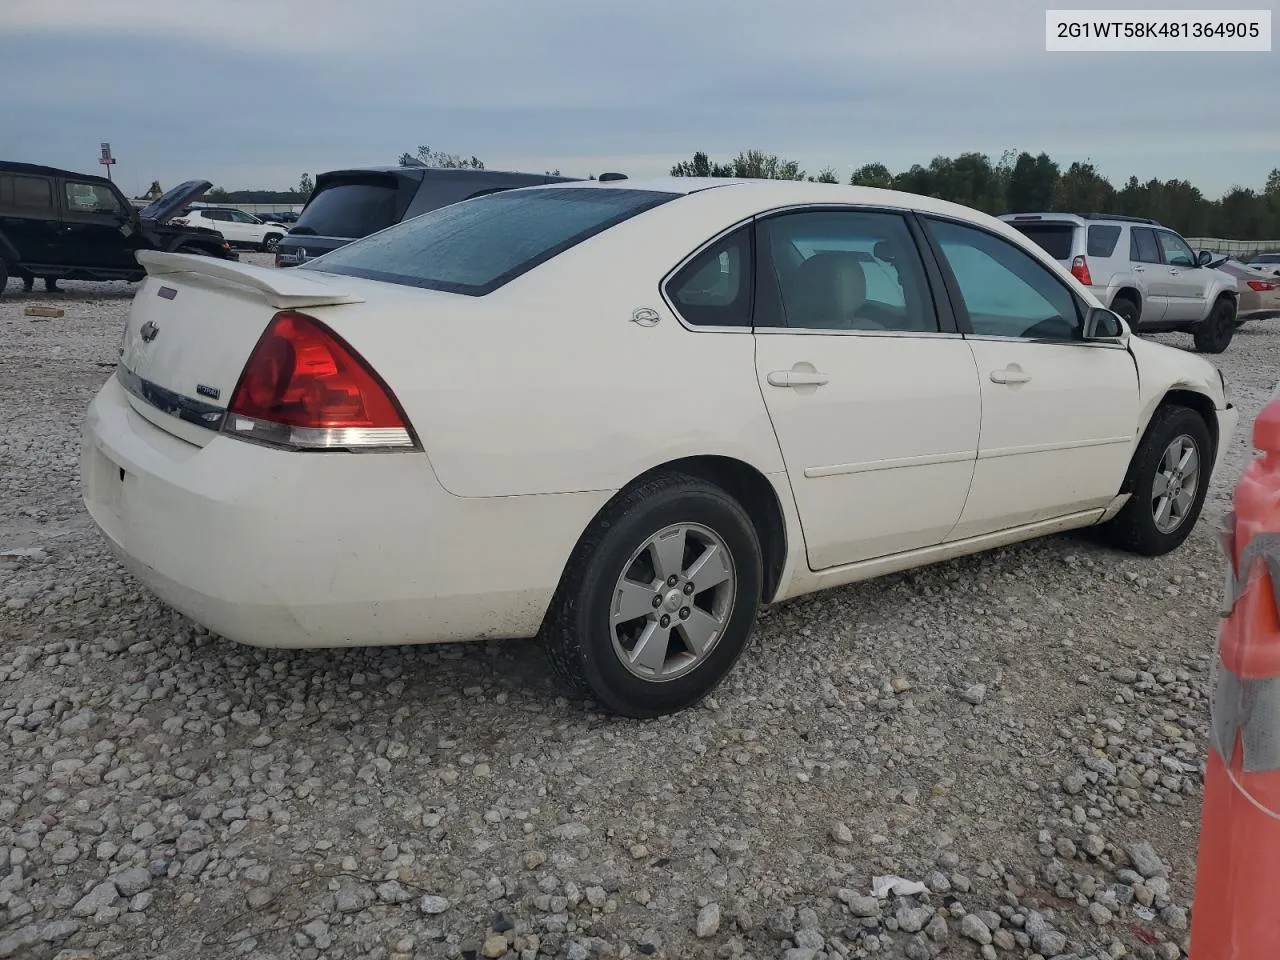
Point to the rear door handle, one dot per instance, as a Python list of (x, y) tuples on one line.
[(1010, 375), (1173, 272), (796, 378), (1139, 269)]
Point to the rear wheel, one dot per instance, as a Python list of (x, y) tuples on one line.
[(659, 598), (1127, 309), (1168, 480), (270, 243), (4, 275), (1214, 333)]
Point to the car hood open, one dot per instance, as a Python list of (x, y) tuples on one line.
[(177, 198)]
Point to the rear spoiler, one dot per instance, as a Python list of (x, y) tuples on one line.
[(284, 289)]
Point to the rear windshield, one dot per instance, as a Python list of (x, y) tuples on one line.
[(476, 246), (350, 209), (1054, 238)]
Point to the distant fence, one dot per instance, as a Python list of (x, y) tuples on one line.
[(1234, 248)]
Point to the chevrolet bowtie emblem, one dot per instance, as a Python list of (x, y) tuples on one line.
[(149, 331)]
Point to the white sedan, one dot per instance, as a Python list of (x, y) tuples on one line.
[(238, 228), (620, 416)]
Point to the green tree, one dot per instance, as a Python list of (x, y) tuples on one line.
[(747, 165), (218, 195), (1032, 183), (872, 175), (1083, 190), (438, 158), (306, 186), (826, 176)]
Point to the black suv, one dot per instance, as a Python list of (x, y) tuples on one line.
[(348, 204), (55, 224)]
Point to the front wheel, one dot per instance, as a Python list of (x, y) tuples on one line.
[(1168, 481), (270, 244), (1214, 333), (659, 598)]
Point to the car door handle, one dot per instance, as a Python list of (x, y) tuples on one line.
[(1173, 272), (1139, 269), (1010, 375), (796, 378)]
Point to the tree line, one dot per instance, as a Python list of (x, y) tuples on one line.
[(1019, 182)]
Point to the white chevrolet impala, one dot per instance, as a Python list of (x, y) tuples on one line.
[(620, 416)]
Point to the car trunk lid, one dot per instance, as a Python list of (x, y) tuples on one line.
[(193, 324)]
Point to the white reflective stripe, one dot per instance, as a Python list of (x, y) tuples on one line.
[(1265, 547), (1251, 709)]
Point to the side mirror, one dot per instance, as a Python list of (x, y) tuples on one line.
[(1204, 258), (1101, 324)]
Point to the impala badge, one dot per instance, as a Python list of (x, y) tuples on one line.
[(645, 316), (207, 391), (148, 331)]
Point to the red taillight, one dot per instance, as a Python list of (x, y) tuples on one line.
[(304, 387), (1261, 286), (1080, 270)]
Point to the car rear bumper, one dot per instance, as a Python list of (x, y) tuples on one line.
[(278, 549)]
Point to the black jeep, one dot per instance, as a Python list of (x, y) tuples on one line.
[(59, 225)]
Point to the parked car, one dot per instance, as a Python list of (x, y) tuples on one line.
[(60, 225), (1267, 262), (1259, 291), (348, 204), (1143, 271), (667, 402), (241, 229), (286, 217)]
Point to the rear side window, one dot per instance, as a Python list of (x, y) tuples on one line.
[(714, 288), (1102, 240), (28, 194), (477, 246), (1054, 238), (350, 208), (1142, 245)]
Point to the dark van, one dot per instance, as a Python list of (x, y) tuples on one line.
[(348, 204)]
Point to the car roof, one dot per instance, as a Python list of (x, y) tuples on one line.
[(1079, 219), (418, 173), (39, 170), (768, 194)]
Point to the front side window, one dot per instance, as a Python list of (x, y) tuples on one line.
[(1005, 291), (844, 270), (1175, 249), (477, 246), (90, 198), (714, 288)]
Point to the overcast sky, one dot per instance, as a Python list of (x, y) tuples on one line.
[(251, 93)]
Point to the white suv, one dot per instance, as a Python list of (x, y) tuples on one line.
[(1144, 271), (238, 228)]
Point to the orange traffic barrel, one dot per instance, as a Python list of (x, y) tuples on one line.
[(1234, 915)]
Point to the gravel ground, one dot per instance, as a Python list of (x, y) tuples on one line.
[(1018, 737)]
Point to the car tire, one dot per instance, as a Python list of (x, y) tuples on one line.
[(1127, 309), (193, 249), (4, 276), (649, 665), (270, 243), (1138, 528), (1214, 333)]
